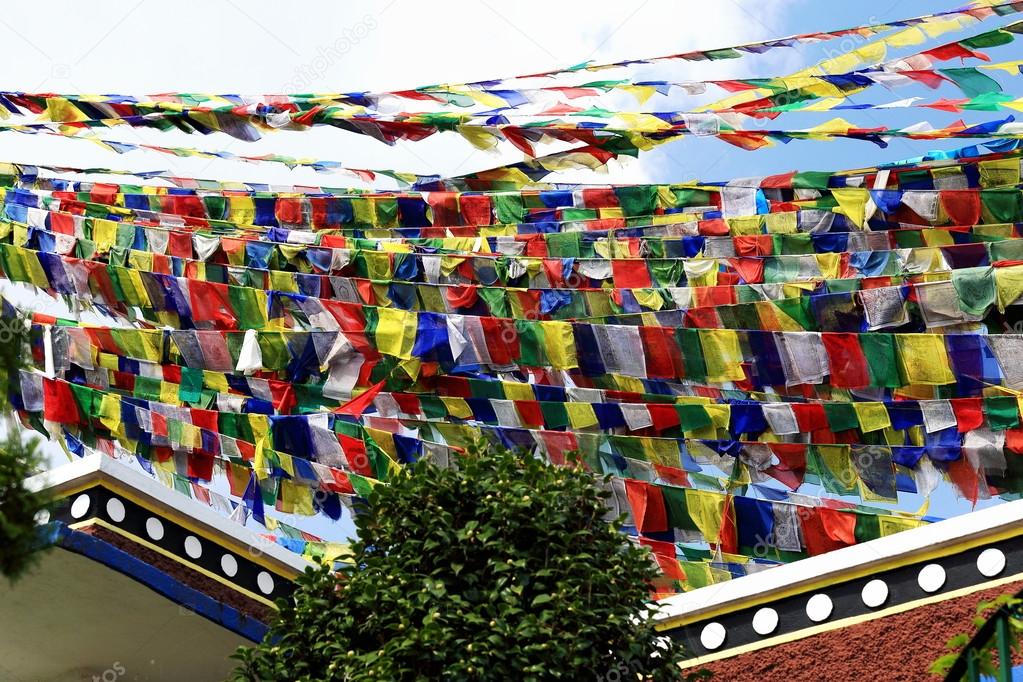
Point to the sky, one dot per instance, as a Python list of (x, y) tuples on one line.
[(258, 46)]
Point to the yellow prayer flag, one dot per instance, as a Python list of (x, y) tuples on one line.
[(937, 237), (364, 211), (59, 109), (216, 381), (559, 343), (889, 525), (283, 281), (286, 463), (241, 210), (110, 412), (722, 354), (924, 359), (169, 393), (259, 423), (781, 223), (385, 441), (259, 461), (457, 407), (720, 414), (999, 173), (649, 298), (706, 510), (745, 225), (935, 26), (906, 38), (830, 264), (629, 384), (296, 498), (872, 416), (396, 332), (852, 202), (580, 415), (1008, 285), (662, 451), (515, 390)]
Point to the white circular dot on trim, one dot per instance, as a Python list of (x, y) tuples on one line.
[(80, 507), (991, 562), (931, 578), (115, 510), (712, 636), (42, 517), (154, 528), (765, 621), (193, 547), (874, 593), (229, 565), (818, 607)]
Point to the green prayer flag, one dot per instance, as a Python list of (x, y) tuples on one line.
[(147, 388), (637, 199), (692, 417), (868, 527), (841, 416), (675, 505), (496, 300), (246, 307), (692, 354), (879, 349), (976, 289), (811, 180), (972, 82), (564, 244), (508, 208), (800, 310), (1002, 205), (274, 349), (531, 343), (1002, 412), (555, 416), (989, 39)]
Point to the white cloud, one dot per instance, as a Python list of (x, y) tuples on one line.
[(258, 46)]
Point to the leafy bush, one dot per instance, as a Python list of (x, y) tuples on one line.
[(19, 507), (985, 656), (500, 569)]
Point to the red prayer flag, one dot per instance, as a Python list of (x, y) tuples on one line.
[(847, 361), (357, 406), (962, 206), (59, 403), (969, 413), (630, 274), (647, 504)]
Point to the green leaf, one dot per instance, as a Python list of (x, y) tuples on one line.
[(457, 575)]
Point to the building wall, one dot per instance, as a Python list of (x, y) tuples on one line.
[(900, 647)]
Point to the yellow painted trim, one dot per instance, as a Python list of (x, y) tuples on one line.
[(134, 538), (185, 522), (81, 487), (847, 622), (897, 561)]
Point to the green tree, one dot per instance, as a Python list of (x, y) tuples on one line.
[(20, 508), (996, 642), (503, 568)]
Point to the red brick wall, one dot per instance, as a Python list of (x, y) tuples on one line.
[(895, 648)]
